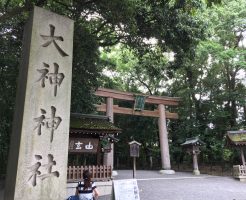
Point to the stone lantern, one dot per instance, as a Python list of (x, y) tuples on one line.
[(192, 146)]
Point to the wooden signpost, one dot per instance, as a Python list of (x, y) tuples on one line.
[(134, 152)]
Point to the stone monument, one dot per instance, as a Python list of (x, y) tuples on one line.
[(37, 167)]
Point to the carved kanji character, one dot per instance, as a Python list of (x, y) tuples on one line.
[(48, 168), (54, 78), (52, 39), (51, 123), (34, 172)]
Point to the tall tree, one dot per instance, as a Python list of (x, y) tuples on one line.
[(212, 85)]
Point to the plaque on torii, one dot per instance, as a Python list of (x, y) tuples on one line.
[(127, 96)]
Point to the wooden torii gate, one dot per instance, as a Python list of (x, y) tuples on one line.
[(161, 113)]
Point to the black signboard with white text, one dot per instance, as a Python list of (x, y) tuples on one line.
[(83, 145)]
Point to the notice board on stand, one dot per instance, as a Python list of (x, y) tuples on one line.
[(126, 189)]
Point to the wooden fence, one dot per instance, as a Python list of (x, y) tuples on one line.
[(211, 169), (239, 170), (98, 172)]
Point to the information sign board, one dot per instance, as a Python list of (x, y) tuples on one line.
[(126, 189)]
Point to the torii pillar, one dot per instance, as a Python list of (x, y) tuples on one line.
[(108, 158), (164, 146)]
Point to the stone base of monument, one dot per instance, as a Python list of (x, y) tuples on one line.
[(167, 171), (196, 172), (114, 173)]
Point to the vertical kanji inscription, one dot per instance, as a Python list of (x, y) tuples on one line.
[(37, 160)]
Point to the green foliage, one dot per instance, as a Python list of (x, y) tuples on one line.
[(227, 154), (143, 130), (207, 78), (211, 87), (10, 45), (85, 70), (132, 70)]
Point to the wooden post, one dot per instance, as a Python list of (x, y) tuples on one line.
[(164, 147), (242, 156), (117, 162), (98, 156), (108, 158), (134, 167), (151, 162), (109, 109)]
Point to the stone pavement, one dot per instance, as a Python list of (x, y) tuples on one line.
[(182, 186), (185, 186)]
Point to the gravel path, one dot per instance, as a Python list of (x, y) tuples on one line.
[(182, 186), (185, 186)]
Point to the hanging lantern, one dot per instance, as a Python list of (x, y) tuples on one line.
[(105, 144)]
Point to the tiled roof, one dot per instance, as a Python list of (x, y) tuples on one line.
[(193, 141), (81, 123), (237, 137)]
